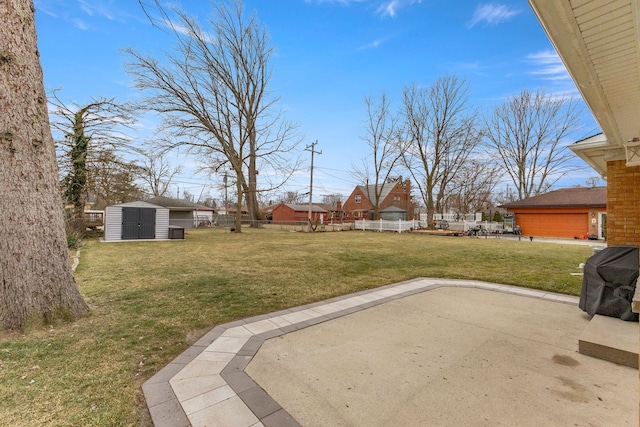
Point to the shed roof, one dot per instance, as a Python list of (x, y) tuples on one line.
[(138, 204), (177, 204), (565, 197)]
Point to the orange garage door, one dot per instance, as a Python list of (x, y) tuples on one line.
[(553, 224)]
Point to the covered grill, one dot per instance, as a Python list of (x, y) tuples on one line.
[(609, 282)]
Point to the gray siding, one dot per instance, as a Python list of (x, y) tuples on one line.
[(113, 223), (181, 218), (162, 223)]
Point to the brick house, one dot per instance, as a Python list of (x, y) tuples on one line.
[(359, 205), (568, 212), (287, 213)]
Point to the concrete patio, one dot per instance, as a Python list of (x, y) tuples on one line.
[(422, 352)]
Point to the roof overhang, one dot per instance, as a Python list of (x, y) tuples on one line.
[(599, 45), (596, 151)]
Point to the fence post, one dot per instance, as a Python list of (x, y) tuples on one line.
[(399, 226)]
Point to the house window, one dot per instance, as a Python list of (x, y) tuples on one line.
[(396, 199), (357, 198)]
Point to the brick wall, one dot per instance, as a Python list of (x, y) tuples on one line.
[(283, 213), (362, 208), (623, 204)]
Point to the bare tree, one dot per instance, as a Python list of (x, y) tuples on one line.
[(113, 180), (35, 273), (292, 197), (527, 133), (383, 140), (86, 132), (441, 132), (156, 171), (505, 196), (213, 93), (472, 187), (209, 201), (187, 195), (332, 199), (593, 181)]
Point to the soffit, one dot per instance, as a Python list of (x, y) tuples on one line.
[(598, 42)]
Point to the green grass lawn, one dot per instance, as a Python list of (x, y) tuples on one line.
[(150, 300)]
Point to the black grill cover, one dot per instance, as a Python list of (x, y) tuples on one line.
[(609, 282)]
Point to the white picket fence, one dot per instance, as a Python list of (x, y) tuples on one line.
[(400, 226), (384, 225), (452, 217)]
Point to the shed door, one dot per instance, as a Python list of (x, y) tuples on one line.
[(147, 223), (138, 223)]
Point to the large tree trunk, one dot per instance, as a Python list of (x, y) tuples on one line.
[(36, 281)]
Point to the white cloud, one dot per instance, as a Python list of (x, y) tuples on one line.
[(96, 8), (187, 31), (492, 14), (549, 68), (345, 2), (80, 24), (82, 14), (375, 44), (391, 7), (46, 7), (548, 65), (382, 7)]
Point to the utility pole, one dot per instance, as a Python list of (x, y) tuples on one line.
[(311, 148)]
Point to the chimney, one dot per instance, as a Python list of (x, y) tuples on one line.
[(407, 199)]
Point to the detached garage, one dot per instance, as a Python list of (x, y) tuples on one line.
[(136, 221), (292, 213), (567, 213)]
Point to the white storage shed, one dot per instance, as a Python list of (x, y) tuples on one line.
[(136, 220)]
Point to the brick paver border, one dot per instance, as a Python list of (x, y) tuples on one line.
[(207, 385)]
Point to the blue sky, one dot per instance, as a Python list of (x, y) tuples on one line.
[(329, 55)]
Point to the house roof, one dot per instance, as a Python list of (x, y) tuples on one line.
[(392, 209), (565, 197), (305, 208), (177, 204), (326, 206), (370, 190), (599, 45)]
